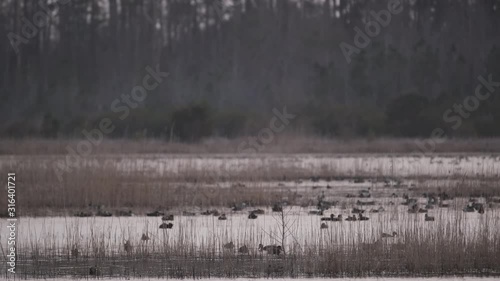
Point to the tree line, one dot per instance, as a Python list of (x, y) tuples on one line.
[(64, 62)]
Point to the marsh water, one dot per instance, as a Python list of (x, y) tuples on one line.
[(347, 165), (52, 233)]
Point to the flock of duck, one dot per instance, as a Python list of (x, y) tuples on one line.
[(433, 200), (269, 249), (244, 250), (358, 214)]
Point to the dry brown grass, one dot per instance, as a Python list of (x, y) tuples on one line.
[(42, 193)]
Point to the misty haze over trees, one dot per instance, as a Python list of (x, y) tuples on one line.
[(230, 65)]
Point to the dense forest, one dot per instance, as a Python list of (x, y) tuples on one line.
[(230, 63)]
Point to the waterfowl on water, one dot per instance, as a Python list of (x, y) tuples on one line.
[(83, 214), (379, 210), (469, 208), (252, 216), (363, 218), (166, 225), (94, 271), (316, 212), (323, 226), (330, 218), (222, 217), (338, 218), (127, 246), (258, 212), (351, 218), (270, 249), (243, 249), (477, 207), (365, 203), (103, 213), (428, 218), (210, 212), (123, 213), (155, 214), (145, 237), (386, 235), (413, 209), (359, 180), (167, 218), (188, 214), (239, 207), (229, 245), (409, 201)]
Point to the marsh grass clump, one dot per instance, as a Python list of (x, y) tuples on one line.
[(121, 186)]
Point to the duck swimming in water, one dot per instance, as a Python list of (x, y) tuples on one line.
[(386, 235), (363, 218), (166, 225), (351, 218), (428, 218), (229, 246), (168, 218), (338, 218), (243, 249), (252, 216)]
